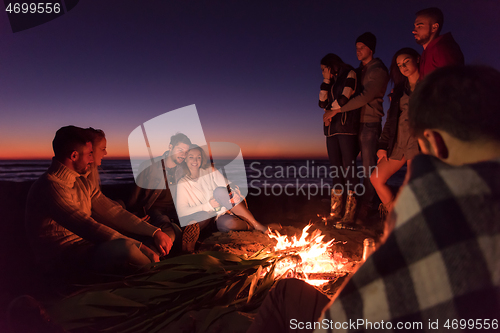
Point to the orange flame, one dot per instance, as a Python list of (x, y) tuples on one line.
[(306, 255)]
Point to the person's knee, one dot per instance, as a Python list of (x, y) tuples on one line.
[(375, 179), (226, 224), (118, 255), (122, 249), (160, 220), (125, 251)]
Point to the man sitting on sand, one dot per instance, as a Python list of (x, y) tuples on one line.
[(59, 222), (155, 191), (440, 266)]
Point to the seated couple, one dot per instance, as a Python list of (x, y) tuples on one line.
[(159, 181), (71, 224), (202, 196)]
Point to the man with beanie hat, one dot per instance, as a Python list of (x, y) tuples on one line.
[(373, 77)]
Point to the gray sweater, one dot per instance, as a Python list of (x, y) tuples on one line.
[(374, 78)]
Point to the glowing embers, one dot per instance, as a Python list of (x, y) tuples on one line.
[(308, 258)]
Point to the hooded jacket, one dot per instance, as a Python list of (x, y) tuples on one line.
[(441, 51), (373, 78)]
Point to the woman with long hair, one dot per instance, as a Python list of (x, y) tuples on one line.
[(202, 197), (397, 146), (99, 143), (341, 130)]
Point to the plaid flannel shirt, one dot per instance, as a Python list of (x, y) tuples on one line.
[(441, 262)]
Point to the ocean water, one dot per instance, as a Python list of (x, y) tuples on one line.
[(259, 173)]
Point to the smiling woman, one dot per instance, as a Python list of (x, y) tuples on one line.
[(98, 139), (202, 197)]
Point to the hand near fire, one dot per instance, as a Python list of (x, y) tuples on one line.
[(163, 242), (236, 198), (381, 154)]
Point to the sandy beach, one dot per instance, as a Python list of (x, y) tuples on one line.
[(20, 275)]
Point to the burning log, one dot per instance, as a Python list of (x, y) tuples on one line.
[(325, 276), (308, 257)]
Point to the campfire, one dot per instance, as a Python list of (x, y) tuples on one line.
[(215, 279), (308, 258)]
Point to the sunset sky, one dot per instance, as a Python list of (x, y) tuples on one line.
[(250, 67)]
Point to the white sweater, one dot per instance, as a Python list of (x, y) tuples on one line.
[(193, 195)]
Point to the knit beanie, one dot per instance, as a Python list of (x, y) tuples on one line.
[(368, 39)]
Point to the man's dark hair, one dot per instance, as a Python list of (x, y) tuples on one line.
[(178, 138), (69, 139), (435, 14), (460, 100)]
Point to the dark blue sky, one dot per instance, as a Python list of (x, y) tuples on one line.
[(251, 67)]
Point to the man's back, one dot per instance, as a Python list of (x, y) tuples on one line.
[(442, 259)]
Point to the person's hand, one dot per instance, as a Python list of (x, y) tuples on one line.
[(163, 242), (328, 115), (153, 256), (214, 203), (381, 154), (390, 95), (236, 199), (326, 74)]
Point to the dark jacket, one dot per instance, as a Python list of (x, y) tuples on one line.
[(372, 83), (390, 132), (341, 123), (150, 183)]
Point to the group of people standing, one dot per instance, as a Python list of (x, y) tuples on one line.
[(353, 105), (437, 265)]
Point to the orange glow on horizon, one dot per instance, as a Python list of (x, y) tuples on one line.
[(28, 149)]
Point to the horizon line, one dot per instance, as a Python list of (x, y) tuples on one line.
[(128, 158)]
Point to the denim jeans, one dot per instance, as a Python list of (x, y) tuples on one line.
[(369, 134), (342, 152)]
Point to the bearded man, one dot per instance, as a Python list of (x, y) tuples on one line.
[(439, 50)]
